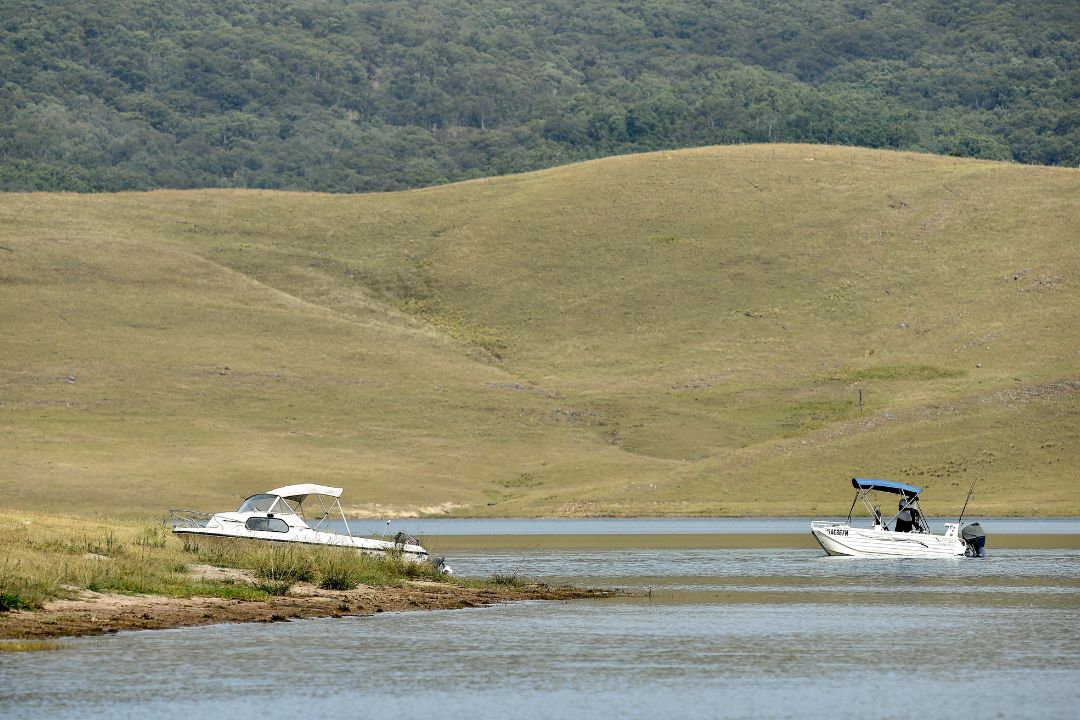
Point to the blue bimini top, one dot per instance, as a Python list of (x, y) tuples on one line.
[(885, 486)]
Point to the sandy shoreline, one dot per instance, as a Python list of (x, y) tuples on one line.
[(97, 614)]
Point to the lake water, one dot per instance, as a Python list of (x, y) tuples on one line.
[(709, 632), (672, 526)]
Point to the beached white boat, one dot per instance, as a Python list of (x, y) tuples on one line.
[(279, 516), (909, 536)]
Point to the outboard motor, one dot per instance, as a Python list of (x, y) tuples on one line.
[(975, 538)]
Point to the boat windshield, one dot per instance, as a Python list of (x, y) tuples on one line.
[(266, 503)]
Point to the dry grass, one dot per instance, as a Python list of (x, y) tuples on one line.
[(672, 333), (281, 565), (46, 557)]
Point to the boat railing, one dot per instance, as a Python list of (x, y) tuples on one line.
[(189, 518)]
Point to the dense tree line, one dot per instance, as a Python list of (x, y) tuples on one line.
[(357, 95)]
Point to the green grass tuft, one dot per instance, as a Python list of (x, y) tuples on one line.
[(509, 579), (13, 601), (275, 587)]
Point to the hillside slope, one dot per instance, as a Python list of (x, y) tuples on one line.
[(673, 333)]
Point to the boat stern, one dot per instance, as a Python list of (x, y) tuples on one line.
[(974, 537)]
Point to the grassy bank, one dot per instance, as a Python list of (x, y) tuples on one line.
[(731, 331), (90, 577), (45, 558)]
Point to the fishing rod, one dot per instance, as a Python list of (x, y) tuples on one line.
[(964, 509)]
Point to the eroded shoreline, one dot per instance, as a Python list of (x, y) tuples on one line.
[(93, 613)]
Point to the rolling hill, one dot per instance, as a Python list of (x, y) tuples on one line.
[(684, 332)]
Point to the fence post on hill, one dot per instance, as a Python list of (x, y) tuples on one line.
[(860, 402)]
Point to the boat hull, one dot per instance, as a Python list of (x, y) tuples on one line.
[(841, 539), (222, 525), (324, 539)]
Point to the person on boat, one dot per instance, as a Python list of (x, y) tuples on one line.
[(908, 518), (917, 522)]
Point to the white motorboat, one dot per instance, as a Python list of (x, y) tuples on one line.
[(910, 536), (278, 516)]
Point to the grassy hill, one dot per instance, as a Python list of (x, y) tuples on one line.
[(673, 333)]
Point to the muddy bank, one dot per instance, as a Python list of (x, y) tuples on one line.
[(96, 614)]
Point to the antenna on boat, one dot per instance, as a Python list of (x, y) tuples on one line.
[(964, 509)]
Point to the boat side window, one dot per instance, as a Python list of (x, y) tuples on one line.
[(281, 507), (258, 503), (267, 524)]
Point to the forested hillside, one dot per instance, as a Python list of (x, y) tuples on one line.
[(361, 95)]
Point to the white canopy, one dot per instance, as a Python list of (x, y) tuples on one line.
[(301, 491)]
